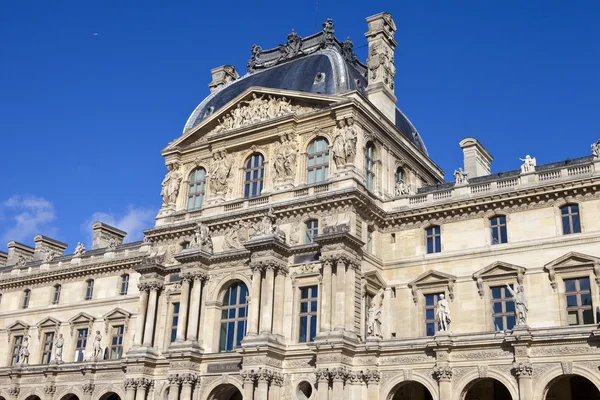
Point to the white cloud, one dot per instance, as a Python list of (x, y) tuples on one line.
[(26, 216), (134, 221)]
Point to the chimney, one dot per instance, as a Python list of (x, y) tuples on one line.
[(380, 63), (18, 253), (221, 76), (45, 245), (477, 160), (3, 258), (106, 236)]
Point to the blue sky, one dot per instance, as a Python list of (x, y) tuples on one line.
[(84, 116)]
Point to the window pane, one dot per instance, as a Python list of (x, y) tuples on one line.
[(303, 307), (223, 341), (313, 306), (313, 327), (241, 331), (429, 300), (576, 224), (586, 299), (438, 244), (429, 314), (503, 234), (572, 301), (510, 306), (230, 335), (496, 292), (566, 225), (510, 321), (584, 284), (588, 317), (302, 337), (430, 329), (570, 285), (429, 245), (572, 318), (498, 324), (497, 308)]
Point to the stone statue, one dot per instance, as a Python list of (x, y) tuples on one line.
[(348, 50), (292, 48), (443, 314), (170, 185), (374, 316), (328, 33), (23, 358), (255, 60), (58, 348), (529, 164), (79, 250), (219, 173), (49, 255), (596, 150), (344, 144), (267, 226), (520, 304), (285, 159), (401, 188), (97, 354), (460, 176), (202, 238)]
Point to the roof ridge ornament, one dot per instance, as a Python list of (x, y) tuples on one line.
[(328, 39)]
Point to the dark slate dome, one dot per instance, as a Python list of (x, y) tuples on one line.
[(317, 64)]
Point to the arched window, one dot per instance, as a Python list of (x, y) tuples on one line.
[(56, 298), (399, 174), (370, 165), (317, 165), (498, 225), (570, 219), (233, 316), (197, 188), (26, 298), (255, 173), (124, 284)]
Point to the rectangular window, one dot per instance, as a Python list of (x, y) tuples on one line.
[(498, 225), (503, 308), (47, 347), (26, 297), (431, 324), (89, 291), (17, 340), (56, 297), (308, 313), (124, 284), (174, 321), (81, 344), (570, 219), (579, 301), (434, 239), (312, 230), (370, 241), (116, 342)]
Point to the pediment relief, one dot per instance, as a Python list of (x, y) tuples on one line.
[(81, 319), (498, 270), (118, 314), (17, 326), (432, 279), (48, 322), (572, 262)]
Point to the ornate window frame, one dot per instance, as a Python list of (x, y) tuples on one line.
[(81, 320), (262, 179), (47, 325), (305, 279), (196, 167), (306, 155), (498, 273), (117, 316), (430, 282), (17, 328), (558, 205)]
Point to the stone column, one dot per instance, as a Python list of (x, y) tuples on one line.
[(141, 386), (338, 376), (372, 378), (266, 323), (387, 314), (276, 384), (141, 316), (88, 390), (151, 315), (130, 386), (150, 389), (350, 297), (443, 374), (354, 385), (322, 384), (183, 307), (248, 377), (262, 389), (192, 331), (187, 383), (253, 307), (203, 310), (523, 372), (340, 295), (326, 297), (279, 302), (174, 387)]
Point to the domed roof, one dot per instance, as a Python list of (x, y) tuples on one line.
[(316, 64)]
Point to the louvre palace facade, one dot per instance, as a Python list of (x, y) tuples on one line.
[(307, 247)]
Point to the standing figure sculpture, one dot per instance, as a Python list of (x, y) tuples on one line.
[(202, 238), (344, 144), (24, 351), (219, 173), (97, 355), (285, 159), (58, 346), (460, 176), (529, 164), (170, 185), (596, 150), (520, 304), (443, 313), (79, 250), (374, 316)]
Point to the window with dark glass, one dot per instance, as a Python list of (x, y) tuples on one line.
[(26, 298), (431, 325), (17, 340), (370, 241), (317, 163), (47, 347), (89, 290), (233, 316), (579, 301), (116, 342), (124, 284), (498, 225), (308, 314), (255, 173), (174, 322), (434, 239), (197, 188), (370, 165), (81, 344), (570, 219), (56, 297), (312, 230), (503, 308)]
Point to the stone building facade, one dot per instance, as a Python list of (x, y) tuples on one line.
[(307, 247)]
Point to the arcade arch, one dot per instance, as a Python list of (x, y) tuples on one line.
[(571, 387), (410, 390), (225, 391)]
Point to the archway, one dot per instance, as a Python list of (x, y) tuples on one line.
[(33, 397), (225, 392), (410, 390), (110, 396), (572, 387), (70, 396), (488, 389)]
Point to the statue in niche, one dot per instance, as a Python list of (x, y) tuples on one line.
[(97, 354), (285, 159), (79, 250), (520, 304), (460, 176), (202, 238), (401, 188), (529, 164), (170, 185), (220, 171), (58, 346), (23, 357), (443, 314), (374, 316), (344, 143), (596, 150)]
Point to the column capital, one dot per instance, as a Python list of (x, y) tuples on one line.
[(338, 374), (264, 375), (248, 376), (187, 277), (49, 390), (523, 370), (144, 287), (355, 377), (142, 383), (200, 276), (129, 383), (442, 374), (371, 376), (14, 391), (174, 379), (188, 379), (156, 286), (88, 388), (322, 375)]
